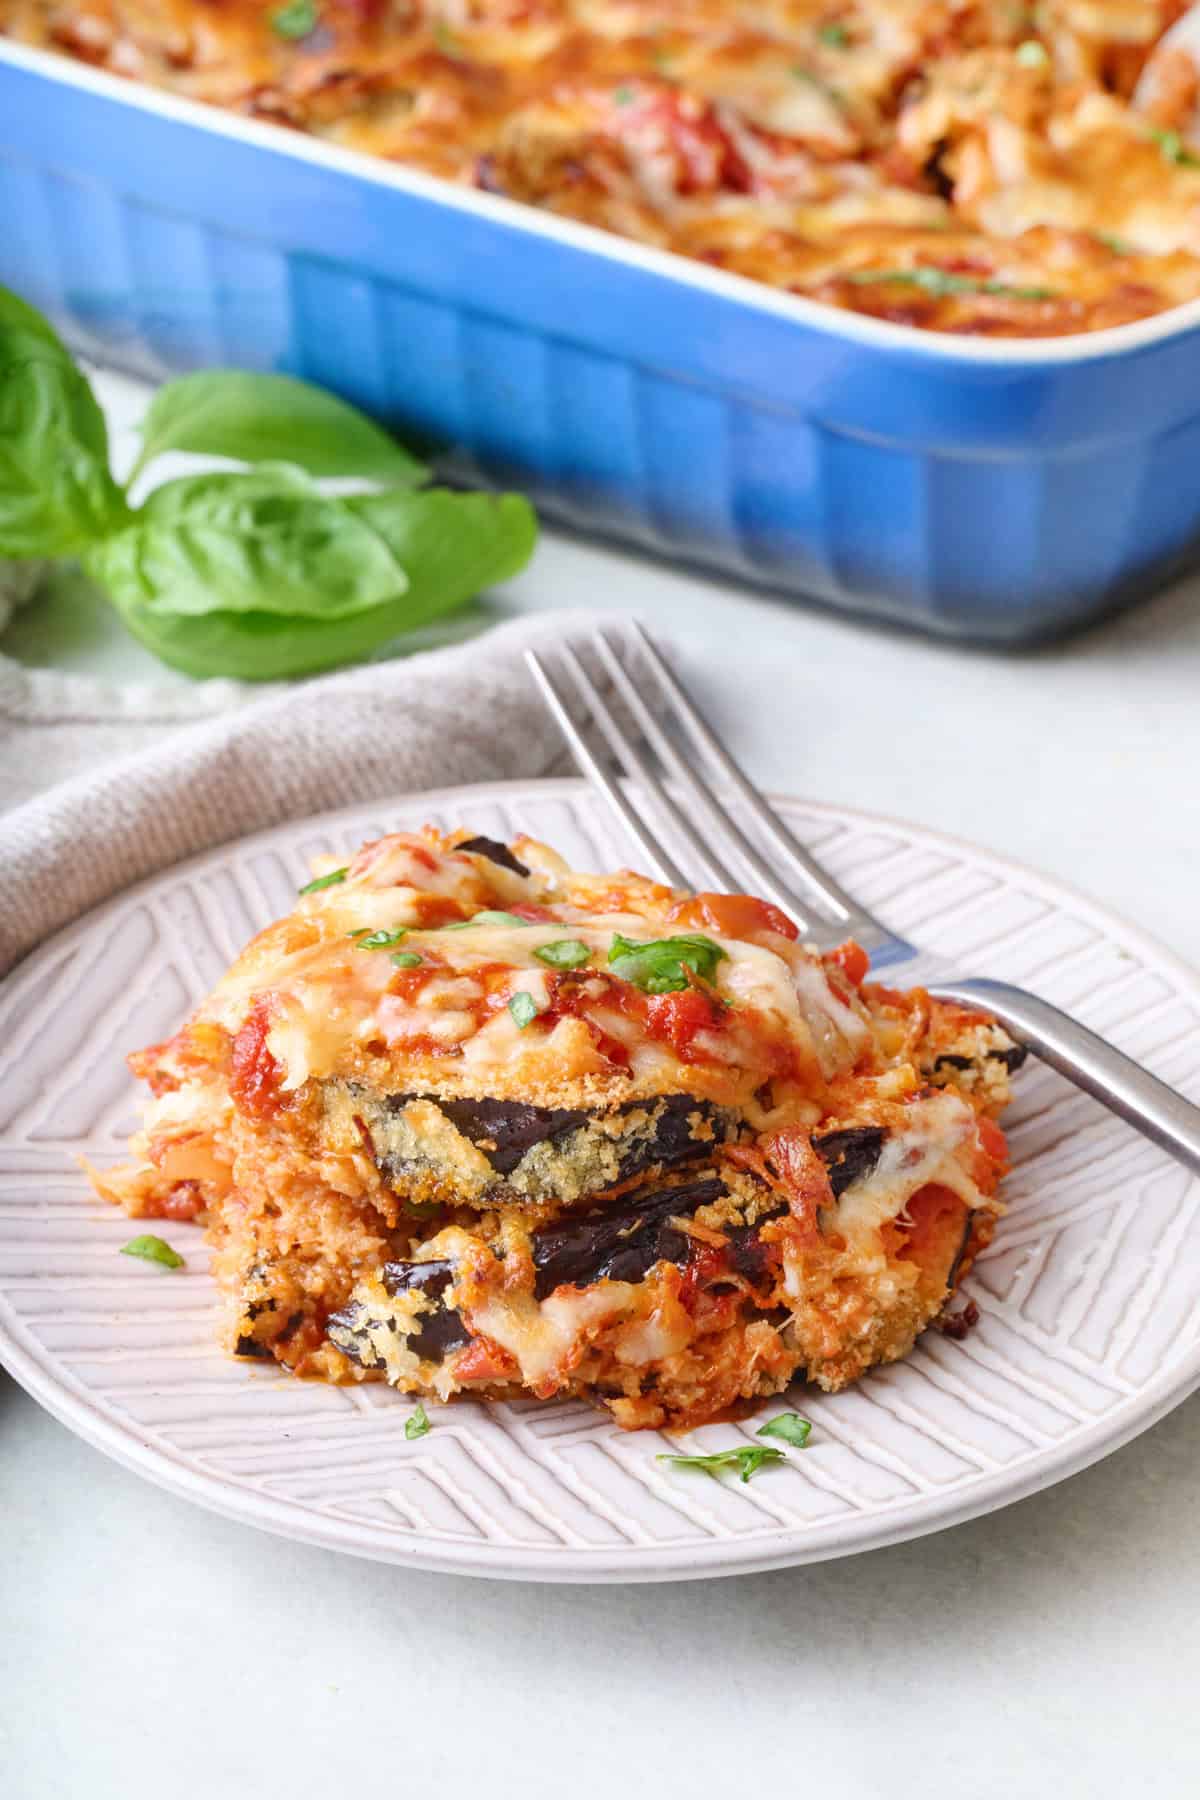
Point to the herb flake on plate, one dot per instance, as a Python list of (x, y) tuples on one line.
[(153, 1249), (746, 1460)]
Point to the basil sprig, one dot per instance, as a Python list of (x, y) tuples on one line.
[(253, 573), (334, 878), (788, 1426), (417, 1423), (747, 1460), (563, 953), (379, 940), (524, 1009), (659, 966), (153, 1249)]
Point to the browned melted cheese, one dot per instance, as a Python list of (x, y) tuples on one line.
[(970, 166)]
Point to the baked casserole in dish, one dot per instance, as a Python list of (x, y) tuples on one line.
[(662, 263), (472, 1122)]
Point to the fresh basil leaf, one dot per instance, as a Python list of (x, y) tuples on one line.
[(417, 1422), (563, 953), (524, 1009), (17, 315), (245, 543), (834, 34), (498, 918), (56, 492), (153, 1249), (295, 20), (381, 940), (747, 1460), (788, 1426), (450, 545), (658, 966), (406, 959), (254, 418), (323, 881)]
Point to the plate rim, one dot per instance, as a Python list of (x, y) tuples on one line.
[(68, 1400)]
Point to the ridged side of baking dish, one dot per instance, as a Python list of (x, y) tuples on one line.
[(995, 491)]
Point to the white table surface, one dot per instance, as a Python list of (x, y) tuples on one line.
[(149, 1649)]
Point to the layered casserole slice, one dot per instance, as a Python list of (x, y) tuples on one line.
[(468, 1120)]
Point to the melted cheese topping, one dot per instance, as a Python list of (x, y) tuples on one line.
[(968, 165), (452, 1015)]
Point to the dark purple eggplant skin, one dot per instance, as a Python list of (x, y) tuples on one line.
[(1013, 1058), (849, 1154), (508, 1129), (748, 1255), (672, 1140), (511, 1125), (438, 1332), (495, 852), (250, 1346), (621, 1242)]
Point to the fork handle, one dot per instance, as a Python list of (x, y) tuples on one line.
[(1092, 1063)]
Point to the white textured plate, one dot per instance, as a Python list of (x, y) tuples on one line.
[(1090, 1295)]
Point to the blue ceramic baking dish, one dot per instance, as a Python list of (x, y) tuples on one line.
[(997, 491)]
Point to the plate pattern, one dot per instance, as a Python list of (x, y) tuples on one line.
[(1090, 1296)]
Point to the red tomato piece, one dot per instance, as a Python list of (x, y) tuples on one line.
[(676, 1019), (852, 960), (739, 916), (255, 1076)]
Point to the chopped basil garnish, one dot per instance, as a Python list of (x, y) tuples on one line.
[(659, 966), (747, 1460), (324, 881), (788, 1426), (1032, 55), (381, 940), (622, 96), (406, 959), (446, 41), (497, 918), (1174, 148), (940, 282), (523, 1008), (563, 953), (155, 1250), (1117, 245), (417, 1423), (834, 34), (295, 20)]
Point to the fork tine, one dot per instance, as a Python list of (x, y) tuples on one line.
[(845, 909), (640, 770), (767, 880), (659, 862)]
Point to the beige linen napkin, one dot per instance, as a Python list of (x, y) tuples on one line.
[(469, 713)]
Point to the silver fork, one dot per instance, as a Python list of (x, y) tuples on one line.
[(670, 738)]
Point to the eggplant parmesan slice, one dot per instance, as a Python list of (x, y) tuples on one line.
[(469, 1120)]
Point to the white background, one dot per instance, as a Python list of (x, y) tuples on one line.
[(149, 1651)]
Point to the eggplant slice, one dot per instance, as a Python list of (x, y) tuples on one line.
[(490, 1153)]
